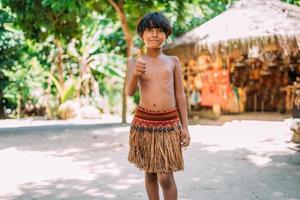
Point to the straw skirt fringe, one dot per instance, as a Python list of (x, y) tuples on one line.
[(154, 141)]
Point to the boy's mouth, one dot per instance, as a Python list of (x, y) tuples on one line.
[(153, 40)]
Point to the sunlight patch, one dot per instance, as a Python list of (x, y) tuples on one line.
[(259, 160)]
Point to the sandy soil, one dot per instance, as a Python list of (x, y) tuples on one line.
[(249, 159)]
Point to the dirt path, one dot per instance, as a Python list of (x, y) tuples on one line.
[(244, 160)]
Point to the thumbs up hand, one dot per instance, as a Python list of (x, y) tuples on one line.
[(140, 64)]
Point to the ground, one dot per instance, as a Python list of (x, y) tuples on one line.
[(229, 159)]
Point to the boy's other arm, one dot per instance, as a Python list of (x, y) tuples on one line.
[(132, 79), (179, 93)]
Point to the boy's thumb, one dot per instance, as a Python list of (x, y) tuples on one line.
[(138, 54)]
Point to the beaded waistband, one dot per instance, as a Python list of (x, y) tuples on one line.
[(156, 112), (147, 117)]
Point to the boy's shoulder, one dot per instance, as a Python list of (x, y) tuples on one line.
[(174, 59)]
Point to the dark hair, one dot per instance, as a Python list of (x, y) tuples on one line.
[(154, 20)]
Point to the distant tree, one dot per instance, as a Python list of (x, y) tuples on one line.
[(41, 19), (11, 42), (295, 2)]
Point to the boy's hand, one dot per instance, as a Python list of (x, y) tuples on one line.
[(140, 64), (185, 138)]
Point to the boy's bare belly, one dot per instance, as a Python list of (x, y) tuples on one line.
[(157, 104), (157, 94)]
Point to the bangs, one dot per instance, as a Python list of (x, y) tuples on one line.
[(154, 20)]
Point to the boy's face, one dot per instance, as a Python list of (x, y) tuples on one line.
[(154, 37)]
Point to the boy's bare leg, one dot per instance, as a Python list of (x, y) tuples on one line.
[(151, 185), (168, 185)]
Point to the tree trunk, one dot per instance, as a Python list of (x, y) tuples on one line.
[(19, 106), (60, 70), (48, 94), (129, 44), (2, 113), (124, 96)]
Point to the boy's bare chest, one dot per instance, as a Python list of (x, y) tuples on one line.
[(158, 71)]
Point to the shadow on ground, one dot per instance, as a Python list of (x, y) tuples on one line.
[(90, 162)]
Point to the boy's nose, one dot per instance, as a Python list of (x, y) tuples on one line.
[(154, 32)]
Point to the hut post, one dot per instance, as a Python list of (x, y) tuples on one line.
[(188, 80), (188, 89)]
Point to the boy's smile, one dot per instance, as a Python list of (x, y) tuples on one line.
[(154, 37)]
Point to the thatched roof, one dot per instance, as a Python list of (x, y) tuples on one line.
[(247, 23)]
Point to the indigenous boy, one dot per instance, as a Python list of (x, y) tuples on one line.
[(159, 129)]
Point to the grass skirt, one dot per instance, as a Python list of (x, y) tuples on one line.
[(154, 142)]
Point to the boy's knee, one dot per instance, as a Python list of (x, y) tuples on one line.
[(165, 180), (151, 177)]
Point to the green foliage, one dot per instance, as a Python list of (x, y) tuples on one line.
[(197, 12), (11, 42), (43, 19), (26, 79), (295, 2), (67, 90), (18, 84), (95, 57), (39, 19)]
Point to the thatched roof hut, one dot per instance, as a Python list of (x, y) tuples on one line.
[(244, 26)]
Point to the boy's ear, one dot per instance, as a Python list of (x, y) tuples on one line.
[(141, 36)]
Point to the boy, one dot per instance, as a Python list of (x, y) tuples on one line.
[(159, 129)]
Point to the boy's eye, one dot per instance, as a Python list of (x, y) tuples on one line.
[(159, 30)]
